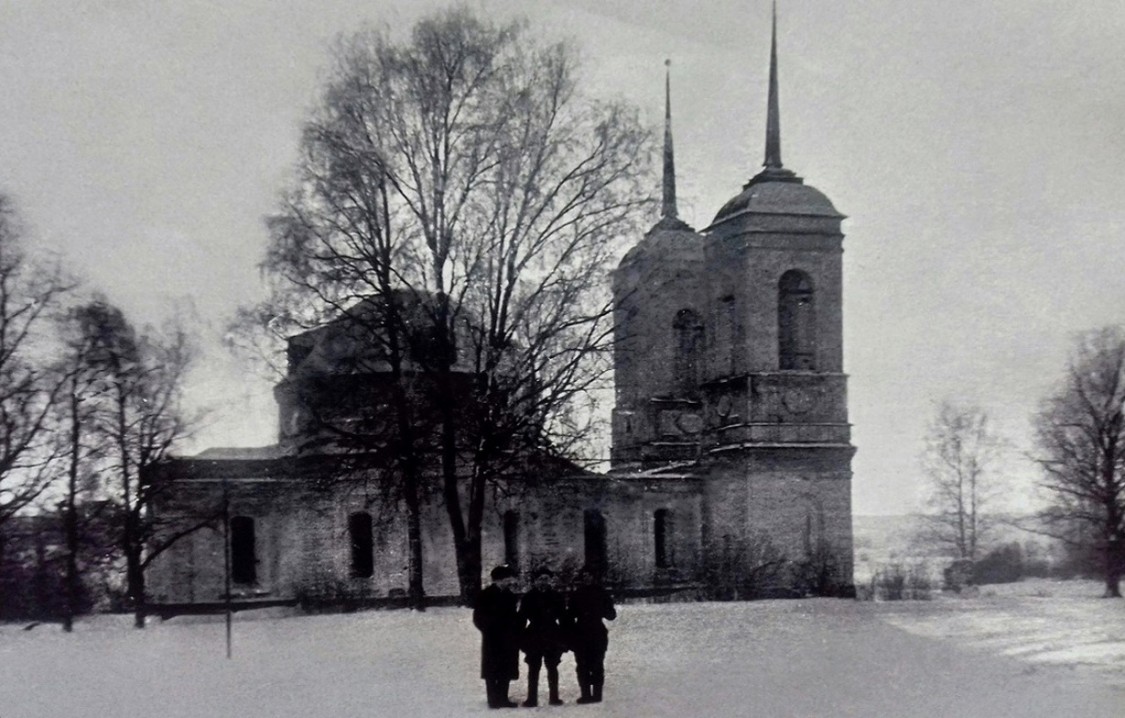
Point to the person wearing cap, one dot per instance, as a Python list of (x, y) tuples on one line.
[(590, 603), (495, 615), (544, 637)]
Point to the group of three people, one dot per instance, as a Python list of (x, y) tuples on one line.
[(544, 624)]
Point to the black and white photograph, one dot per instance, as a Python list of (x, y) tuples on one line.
[(749, 358)]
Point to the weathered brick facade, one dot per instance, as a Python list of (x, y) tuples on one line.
[(731, 453)]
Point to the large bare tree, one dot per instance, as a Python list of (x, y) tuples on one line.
[(30, 293), (135, 385), (961, 460), (1080, 431), (461, 171), (74, 423)]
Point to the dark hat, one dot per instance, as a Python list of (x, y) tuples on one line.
[(502, 571), (541, 571)]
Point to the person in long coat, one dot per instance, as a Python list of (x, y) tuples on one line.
[(495, 615), (544, 639), (590, 603)]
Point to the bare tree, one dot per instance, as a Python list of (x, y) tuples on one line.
[(74, 424), (1080, 432), (463, 173), (960, 461), (138, 414), (29, 294)]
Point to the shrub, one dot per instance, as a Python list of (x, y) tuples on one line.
[(819, 574), (918, 582), (898, 582), (1036, 568), (1003, 564), (1077, 561), (323, 591), (957, 575), (749, 568)]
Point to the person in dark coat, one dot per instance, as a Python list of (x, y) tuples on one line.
[(588, 605), (544, 638), (496, 616)]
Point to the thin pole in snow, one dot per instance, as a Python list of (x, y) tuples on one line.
[(226, 560)]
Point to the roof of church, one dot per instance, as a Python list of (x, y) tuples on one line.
[(272, 451), (666, 244), (764, 195)]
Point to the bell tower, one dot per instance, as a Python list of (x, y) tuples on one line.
[(729, 370), (775, 257), (660, 340), (778, 438)]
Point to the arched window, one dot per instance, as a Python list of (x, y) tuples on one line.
[(796, 322), (687, 333), (662, 534), (243, 558), (512, 539), (594, 530), (363, 551)]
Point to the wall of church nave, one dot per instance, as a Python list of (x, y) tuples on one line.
[(297, 543), (348, 547), (194, 569), (644, 534)]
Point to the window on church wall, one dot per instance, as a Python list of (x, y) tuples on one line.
[(687, 332), (363, 549), (296, 354), (662, 535), (796, 322), (726, 337), (512, 539), (595, 544), (243, 552)]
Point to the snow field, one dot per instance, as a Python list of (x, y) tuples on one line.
[(766, 659)]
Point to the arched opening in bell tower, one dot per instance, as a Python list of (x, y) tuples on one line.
[(796, 322), (687, 331)]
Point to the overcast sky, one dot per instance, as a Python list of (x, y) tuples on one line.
[(978, 150)]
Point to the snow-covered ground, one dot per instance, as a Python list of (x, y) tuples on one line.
[(1052, 650), (1042, 622)]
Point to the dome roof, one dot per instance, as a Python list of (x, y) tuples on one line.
[(666, 243), (790, 195)]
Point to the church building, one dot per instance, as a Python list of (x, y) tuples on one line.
[(730, 470)]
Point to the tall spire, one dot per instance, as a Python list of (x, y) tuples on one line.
[(773, 116), (668, 209), (669, 216)]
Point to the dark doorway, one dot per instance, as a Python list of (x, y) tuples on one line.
[(243, 561), (662, 529), (363, 554), (594, 525)]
